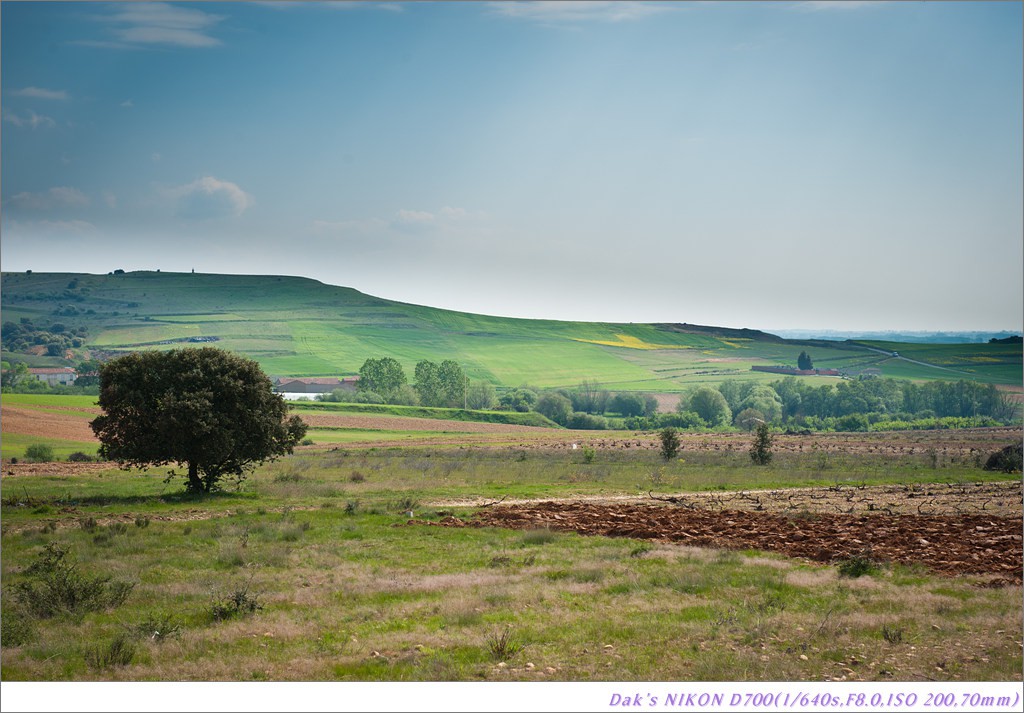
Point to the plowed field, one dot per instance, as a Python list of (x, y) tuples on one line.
[(950, 545)]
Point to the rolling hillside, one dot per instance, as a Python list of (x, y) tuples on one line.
[(300, 327)]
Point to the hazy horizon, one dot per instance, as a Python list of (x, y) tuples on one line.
[(852, 166)]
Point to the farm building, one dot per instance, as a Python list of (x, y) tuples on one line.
[(314, 384), (54, 375)]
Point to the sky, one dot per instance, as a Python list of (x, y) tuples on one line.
[(784, 165)]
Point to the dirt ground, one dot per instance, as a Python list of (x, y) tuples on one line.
[(976, 543), (400, 423), (33, 422)]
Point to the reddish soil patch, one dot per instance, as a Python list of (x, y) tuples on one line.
[(950, 545), (30, 422), (401, 423)]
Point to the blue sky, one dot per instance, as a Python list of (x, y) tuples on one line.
[(780, 165)]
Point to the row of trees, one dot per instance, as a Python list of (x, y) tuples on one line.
[(444, 385), (848, 405)]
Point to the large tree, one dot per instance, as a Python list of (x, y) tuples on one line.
[(709, 404), (207, 409), (384, 376)]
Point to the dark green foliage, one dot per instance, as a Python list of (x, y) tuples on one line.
[(16, 627), (39, 453), (803, 362), (669, 443), (1007, 460), (79, 457), (761, 450), (207, 409), (629, 404), (586, 422), (857, 566), (521, 400), (53, 585), (554, 406)]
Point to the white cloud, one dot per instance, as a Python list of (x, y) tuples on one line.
[(38, 93), (110, 199), (141, 24), (56, 197), (550, 11), (127, 103), (155, 156), (209, 197), (31, 120)]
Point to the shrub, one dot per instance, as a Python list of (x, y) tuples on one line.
[(237, 603), (157, 627), (79, 457), (15, 627), (1007, 460), (55, 586), (669, 443), (857, 566), (504, 646), (761, 450), (39, 453), (119, 652)]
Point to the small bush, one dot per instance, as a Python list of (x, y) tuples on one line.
[(158, 627), (55, 586), (119, 652), (141, 521), (892, 634), (538, 537), (357, 477), (79, 457), (504, 646), (1007, 460), (16, 627), (236, 604), (39, 453), (351, 507), (857, 566), (88, 524), (669, 443), (761, 450)]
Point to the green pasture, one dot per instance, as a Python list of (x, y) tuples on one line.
[(300, 327), (48, 400), (13, 445), (312, 571)]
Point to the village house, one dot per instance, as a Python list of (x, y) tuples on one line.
[(314, 384), (55, 375)]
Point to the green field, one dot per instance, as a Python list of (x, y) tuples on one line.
[(299, 327), (311, 571)]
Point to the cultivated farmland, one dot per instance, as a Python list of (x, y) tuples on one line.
[(520, 554)]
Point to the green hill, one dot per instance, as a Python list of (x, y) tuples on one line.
[(300, 327)]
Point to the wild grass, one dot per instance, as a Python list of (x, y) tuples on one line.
[(279, 581)]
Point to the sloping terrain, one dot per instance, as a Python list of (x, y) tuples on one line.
[(300, 327)]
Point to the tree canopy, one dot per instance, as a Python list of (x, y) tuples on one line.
[(208, 409), (384, 376)]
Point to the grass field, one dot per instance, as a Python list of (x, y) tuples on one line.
[(300, 327), (312, 571)]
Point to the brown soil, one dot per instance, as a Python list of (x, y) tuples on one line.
[(401, 423), (949, 545), (30, 422)]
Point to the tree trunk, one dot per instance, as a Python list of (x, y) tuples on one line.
[(195, 483)]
